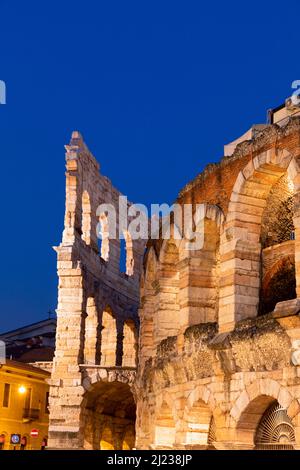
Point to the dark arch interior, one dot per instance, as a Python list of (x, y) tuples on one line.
[(282, 286), (112, 408)]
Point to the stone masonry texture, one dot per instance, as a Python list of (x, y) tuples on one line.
[(190, 348)]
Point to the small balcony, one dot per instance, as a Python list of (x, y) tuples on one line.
[(30, 414)]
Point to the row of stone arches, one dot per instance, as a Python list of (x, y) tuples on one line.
[(225, 280), (264, 425), (198, 431), (258, 419), (100, 238), (179, 285), (107, 344), (264, 416)]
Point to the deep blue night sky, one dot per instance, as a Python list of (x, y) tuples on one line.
[(156, 88)]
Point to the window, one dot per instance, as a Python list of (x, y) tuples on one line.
[(47, 403), (6, 395)]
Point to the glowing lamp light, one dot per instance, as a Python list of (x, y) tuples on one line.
[(22, 389)]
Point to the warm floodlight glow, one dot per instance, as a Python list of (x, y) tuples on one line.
[(22, 389)]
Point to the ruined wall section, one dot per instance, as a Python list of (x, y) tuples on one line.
[(221, 362), (216, 374), (95, 299), (215, 184)]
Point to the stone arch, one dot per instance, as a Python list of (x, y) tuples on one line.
[(278, 284), (108, 338), (251, 404), (129, 358), (167, 318), (148, 308), (165, 423), (240, 241), (200, 393), (262, 387), (108, 415), (86, 220), (103, 236), (197, 419), (213, 418)]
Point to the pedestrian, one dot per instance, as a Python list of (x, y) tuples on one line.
[(44, 444)]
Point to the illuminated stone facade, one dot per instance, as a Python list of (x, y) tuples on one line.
[(218, 354)]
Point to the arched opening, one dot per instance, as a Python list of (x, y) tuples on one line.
[(129, 344), (241, 246), (86, 218), (275, 430), (103, 236), (279, 284), (126, 254), (164, 428), (277, 224), (167, 321), (249, 419), (265, 424), (108, 338), (111, 412), (199, 426)]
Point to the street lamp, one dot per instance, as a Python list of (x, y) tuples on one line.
[(22, 389)]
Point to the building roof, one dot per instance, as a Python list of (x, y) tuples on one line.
[(24, 367), (34, 342), (28, 330)]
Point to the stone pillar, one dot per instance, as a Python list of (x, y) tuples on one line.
[(198, 283), (129, 344), (108, 338), (148, 308), (239, 282), (91, 332), (167, 318), (65, 384)]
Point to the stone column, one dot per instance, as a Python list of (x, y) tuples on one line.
[(65, 384), (91, 332)]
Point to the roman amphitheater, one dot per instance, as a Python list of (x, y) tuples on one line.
[(187, 349)]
